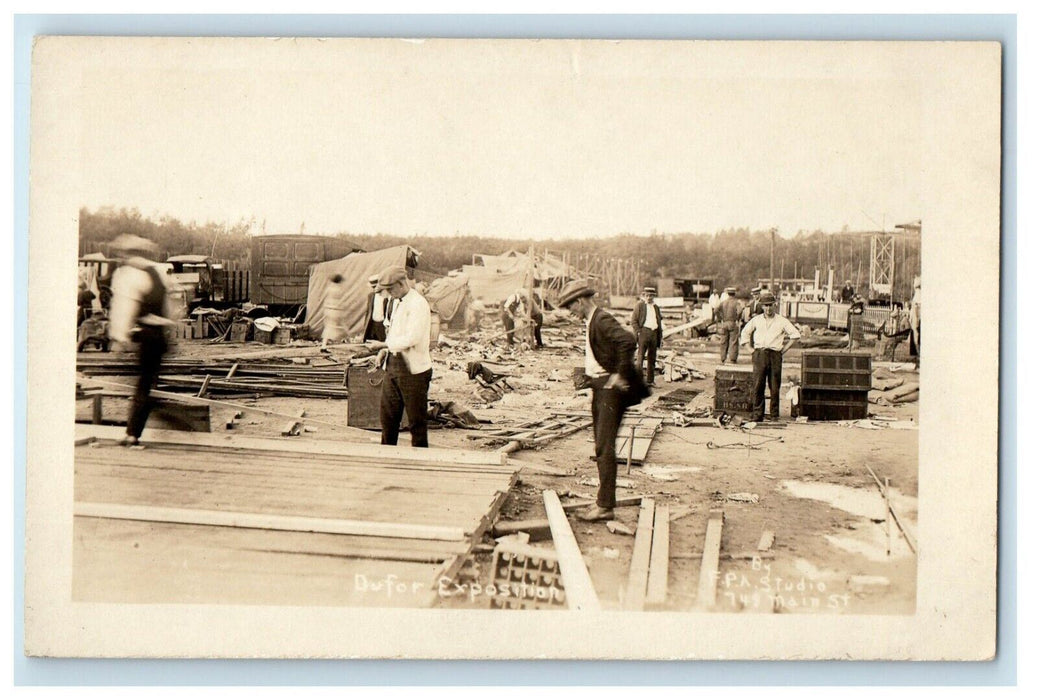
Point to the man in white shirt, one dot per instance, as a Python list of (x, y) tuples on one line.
[(405, 355), (139, 313), (770, 336), (647, 323)]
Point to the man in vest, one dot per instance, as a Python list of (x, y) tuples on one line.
[(374, 323), (647, 323), (770, 335), (728, 315), (140, 313), (615, 385), (513, 313)]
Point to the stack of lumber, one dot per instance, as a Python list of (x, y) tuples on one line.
[(199, 518), (226, 377)]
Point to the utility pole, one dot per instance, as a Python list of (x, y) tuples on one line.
[(773, 230)]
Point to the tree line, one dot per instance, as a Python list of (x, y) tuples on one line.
[(736, 256)]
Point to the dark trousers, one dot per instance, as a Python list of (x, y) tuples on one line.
[(646, 350), (509, 324), (402, 391), (606, 414), (151, 347), (538, 321), (767, 367), (376, 330), (729, 341)]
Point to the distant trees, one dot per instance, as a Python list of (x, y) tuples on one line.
[(736, 256)]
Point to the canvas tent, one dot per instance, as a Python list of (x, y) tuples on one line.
[(500, 275), (448, 297), (355, 269)]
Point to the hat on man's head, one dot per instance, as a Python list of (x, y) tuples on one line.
[(730, 290), (650, 290), (755, 290), (767, 298), (128, 243), (390, 276), (575, 289), (373, 280)]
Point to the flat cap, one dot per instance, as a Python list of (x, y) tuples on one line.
[(575, 289), (129, 243), (767, 298), (373, 279), (650, 290), (755, 290), (730, 290), (390, 276)]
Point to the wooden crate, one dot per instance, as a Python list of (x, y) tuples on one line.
[(365, 396), (282, 335), (241, 331), (262, 336), (733, 389), (836, 369), (833, 404)]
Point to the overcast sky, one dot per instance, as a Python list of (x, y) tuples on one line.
[(543, 140)]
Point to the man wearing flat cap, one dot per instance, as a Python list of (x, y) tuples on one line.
[(140, 313), (615, 385), (405, 356), (375, 316), (647, 323), (770, 335), (729, 313)]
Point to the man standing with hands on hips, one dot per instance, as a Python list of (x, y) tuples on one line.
[(405, 356), (770, 336), (615, 385)]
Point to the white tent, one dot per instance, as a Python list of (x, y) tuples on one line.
[(355, 269)]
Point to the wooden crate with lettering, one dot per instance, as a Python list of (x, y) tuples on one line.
[(733, 389)]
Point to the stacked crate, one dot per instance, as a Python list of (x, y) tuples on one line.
[(733, 389), (835, 384)]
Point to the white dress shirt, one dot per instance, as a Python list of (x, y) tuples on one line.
[(378, 304), (591, 366), (768, 333), (650, 316), (410, 330)]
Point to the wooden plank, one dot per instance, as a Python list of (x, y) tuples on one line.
[(638, 575), (620, 502), (580, 593), (387, 453), (659, 562), (706, 596), (262, 521), (635, 436), (767, 538), (537, 529)]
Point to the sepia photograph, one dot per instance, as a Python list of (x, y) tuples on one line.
[(381, 332)]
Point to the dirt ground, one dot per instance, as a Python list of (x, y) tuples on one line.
[(808, 483)]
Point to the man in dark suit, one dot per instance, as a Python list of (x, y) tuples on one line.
[(647, 323), (615, 385), (375, 316)]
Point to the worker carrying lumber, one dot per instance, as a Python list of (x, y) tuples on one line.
[(615, 385), (405, 356), (770, 335), (375, 316), (140, 313), (514, 311), (729, 314), (647, 323)]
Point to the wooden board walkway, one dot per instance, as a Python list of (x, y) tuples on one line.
[(645, 429), (238, 523)]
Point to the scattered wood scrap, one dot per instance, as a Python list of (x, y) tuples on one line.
[(635, 436), (580, 593), (638, 575), (706, 596), (659, 561)]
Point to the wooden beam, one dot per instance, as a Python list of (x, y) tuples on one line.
[(659, 562), (638, 575), (707, 593), (625, 501), (262, 521), (388, 453), (580, 593), (537, 529)]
